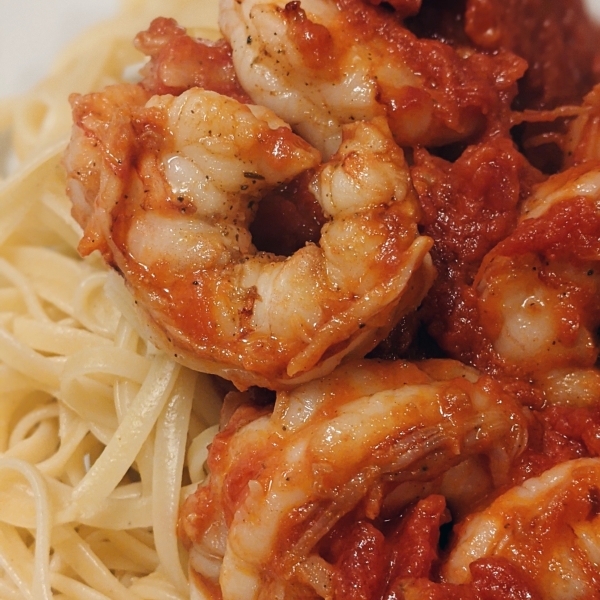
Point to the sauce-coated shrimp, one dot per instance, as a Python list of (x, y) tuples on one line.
[(281, 481), (320, 64), (547, 527), (166, 188), (539, 289)]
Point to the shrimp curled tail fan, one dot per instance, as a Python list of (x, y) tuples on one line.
[(166, 187), (340, 446)]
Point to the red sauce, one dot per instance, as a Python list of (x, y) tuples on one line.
[(413, 543), (179, 62), (360, 561), (372, 559), (557, 434), (470, 92), (496, 578), (569, 230), (468, 207), (314, 41), (403, 8), (373, 565), (555, 37), (287, 218)]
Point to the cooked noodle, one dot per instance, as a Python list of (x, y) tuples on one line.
[(97, 428)]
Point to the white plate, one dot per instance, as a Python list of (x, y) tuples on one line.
[(33, 31)]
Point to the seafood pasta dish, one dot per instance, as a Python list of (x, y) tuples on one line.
[(300, 300)]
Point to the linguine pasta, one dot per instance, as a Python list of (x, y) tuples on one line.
[(101, 435)]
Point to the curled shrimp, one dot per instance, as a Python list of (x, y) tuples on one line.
[(166, 187), (547, 526), (280, 481), (321, 64), (539, 289)]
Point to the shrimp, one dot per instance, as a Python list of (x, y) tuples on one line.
[(166, 187), (322, 64), (539, 289), (281, 480), (548, 525)]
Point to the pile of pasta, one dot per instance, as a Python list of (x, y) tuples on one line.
[(100, 434)]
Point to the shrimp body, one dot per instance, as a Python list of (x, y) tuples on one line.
[(166, 187), (548, 525), (281, 482), (321, 64), (539, 289)]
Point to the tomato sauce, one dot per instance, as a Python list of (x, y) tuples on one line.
[(179, 62), (555, 37), (468, 207)]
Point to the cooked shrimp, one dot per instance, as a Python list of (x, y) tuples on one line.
[(322, 64), (281, 481), (539, 290), (548, 527), (166, 189)]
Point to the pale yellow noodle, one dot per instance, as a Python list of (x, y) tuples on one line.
[(198, 453), (22, 358), (72, 588), (35, 436), (107, 364), (169, 456), (56, 338), (92, 308), (70, 439), (40, 579), (78, 554), (7, 592), (123, 551), (54, 277), (16, 560), (23, 286), (122, 449), (125, 390), (21, 192)]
